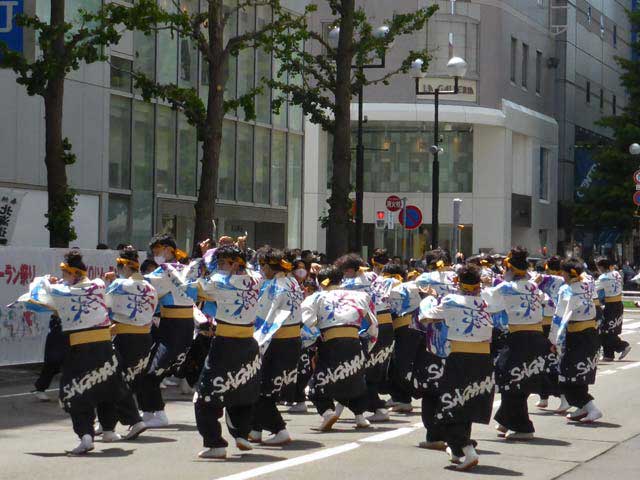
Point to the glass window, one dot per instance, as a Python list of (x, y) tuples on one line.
[(278, 168), (187, 156), (144, 47), (588, 92), (244, 163), (613, 105), (400, 162), (165, 150), (525, 64), (226, 170), (543, 175), (246, 57), (263, 70), (120, 142), (118, 221), (142, 182), (294, 191), (514, 52), (538, 71), (121, 74), (261, 165), (188, 71), (167, 56), (280, 118), (601, 99), (448, 38), (615, 36)]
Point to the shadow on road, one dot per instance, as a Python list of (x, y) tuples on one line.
[(596, 425), (152, 439), (553, 442), (246, 458), (296, 445), (106, 453), (490, 470)]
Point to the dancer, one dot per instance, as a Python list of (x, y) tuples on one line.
[(609, 290)]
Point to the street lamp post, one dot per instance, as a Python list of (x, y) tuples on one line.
[(456, 67)]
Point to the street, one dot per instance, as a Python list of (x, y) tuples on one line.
[(34, 436)]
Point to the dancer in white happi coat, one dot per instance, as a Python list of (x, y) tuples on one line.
[(230, 379), (339, 374), (176, 287), (609, 291), (521, 363), (465, 391), (91, 373), (575, 336), (277, 326)]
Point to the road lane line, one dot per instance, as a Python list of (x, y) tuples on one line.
[(292, 462), (631, 365), (381, 437), (27, 393), (607, 372)]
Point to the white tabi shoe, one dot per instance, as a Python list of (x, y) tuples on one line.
[(169, 383), (243, 444), (255, 436), (185, 388), (97, 429), (298, 407), (402, 408), (329, 418), (511, 435), (471, 459), (577, 414), (563, 407), (135, 430), (390, 403), (542, 403), (453, 458), (109, 436), (593, 413), (624, 353), (501, 430), (41, 396), (159, 420), (85, 446), (281, 438), (146, 416), (218, 453), (339, 409), (437, 445), (381, 415), (362, 422)]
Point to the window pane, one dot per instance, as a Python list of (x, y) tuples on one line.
[(538, 72), (165, 150), (144, 47), (280, 118), (142, 188), (188, 71), (226, 170), (278, 168), (119, 142), (295, 112), (167, 56), (514, 51), (118, 221), (246, 57), (121, 74), (525, 64), (263, 70), (187, 157), (294, 191), (244, 164), (261, 166)]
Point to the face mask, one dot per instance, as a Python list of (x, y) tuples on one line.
[(300, 273), (159, 259)]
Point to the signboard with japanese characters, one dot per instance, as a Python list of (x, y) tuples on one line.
[(10, 33), (10, 201), (23, 333)]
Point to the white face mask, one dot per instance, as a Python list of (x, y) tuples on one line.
[(159, 259), (300, 273)]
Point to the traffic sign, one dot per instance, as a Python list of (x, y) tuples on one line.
[(636, 198), (380, 220), (391, 220), (636, 177), (414, 217), (393, 203)]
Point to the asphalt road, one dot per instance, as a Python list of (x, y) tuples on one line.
[(34, 436)]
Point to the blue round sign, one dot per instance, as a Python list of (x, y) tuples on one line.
[(636, 198), (414, 217)]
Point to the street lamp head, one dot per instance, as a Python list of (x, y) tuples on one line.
[(634, 149), (381, 32), (416, 68), (457, 67), (333, 37)]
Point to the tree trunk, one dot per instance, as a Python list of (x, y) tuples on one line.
[(212, 142), (338, 224), (56, 168)]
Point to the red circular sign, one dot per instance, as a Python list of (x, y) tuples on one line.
[(636, 198), (636, 177), (393, 203)]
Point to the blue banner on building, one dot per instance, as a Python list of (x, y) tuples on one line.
[(584, 168), (10, 33)]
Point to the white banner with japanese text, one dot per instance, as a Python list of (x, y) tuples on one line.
[(10, 201), (23, 333)]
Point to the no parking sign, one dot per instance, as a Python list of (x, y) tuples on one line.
[(414, 217)]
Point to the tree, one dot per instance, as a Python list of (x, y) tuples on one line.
[(62, 47), (607, 200), (329, 81), (209, 29)]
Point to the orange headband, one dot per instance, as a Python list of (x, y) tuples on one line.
[(288, 266), (72, 270), (467, 287), (396, 276), (180, 255), (516, 270), (129, 263)]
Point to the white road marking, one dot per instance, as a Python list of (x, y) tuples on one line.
[(607, 372), (26, 393), (631, 365), (381, 437), (292, 462)]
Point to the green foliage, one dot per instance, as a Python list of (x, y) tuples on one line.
[(61, 216), (607, 202)]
